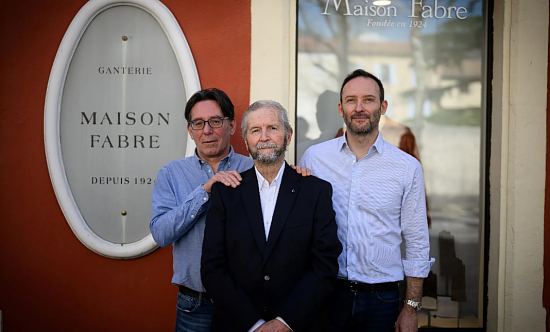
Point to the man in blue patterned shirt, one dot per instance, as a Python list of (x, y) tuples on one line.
[(181, 195), (379, 200)]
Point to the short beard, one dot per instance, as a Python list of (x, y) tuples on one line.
[(363, 131), (271, 157), (374, 120)]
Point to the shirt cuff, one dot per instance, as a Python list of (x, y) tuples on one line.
[(203, 193), (417, 269), (255, 326), (280, 319)]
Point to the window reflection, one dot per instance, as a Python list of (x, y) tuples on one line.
[(431, 66)]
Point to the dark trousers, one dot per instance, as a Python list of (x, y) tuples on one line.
[(363, 310), (194, 313)]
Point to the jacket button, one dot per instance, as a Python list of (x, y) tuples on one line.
[(266, 277)]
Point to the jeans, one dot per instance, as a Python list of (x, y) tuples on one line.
[(193, 314), (363, 311)]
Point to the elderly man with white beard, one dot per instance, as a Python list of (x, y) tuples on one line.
[(270, 248)]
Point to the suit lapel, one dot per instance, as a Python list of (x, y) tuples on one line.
[(252, 205), (288, 192)]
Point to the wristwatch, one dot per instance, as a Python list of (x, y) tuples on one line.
[(414, 304)]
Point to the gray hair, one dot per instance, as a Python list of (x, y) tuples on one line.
[(271, 104)]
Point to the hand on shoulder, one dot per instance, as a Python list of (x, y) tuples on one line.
[(303, 171), (228, 178)]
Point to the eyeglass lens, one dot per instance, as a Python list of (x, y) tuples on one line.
[(212, 122)]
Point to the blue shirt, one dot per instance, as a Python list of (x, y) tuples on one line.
[(179, 211), (379, 202)]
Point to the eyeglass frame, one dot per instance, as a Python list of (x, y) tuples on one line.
[(193, 123)]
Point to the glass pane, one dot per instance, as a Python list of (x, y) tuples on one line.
[(430, 56)]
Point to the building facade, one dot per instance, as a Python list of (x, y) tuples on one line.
[(50, 281)]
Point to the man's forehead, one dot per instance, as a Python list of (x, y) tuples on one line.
[(264, 114), (206, 109)]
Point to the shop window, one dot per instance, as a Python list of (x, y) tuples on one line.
[(431, 57)]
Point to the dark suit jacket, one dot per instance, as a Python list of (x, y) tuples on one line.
[(291, 274)]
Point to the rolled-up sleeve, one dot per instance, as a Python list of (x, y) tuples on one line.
[(414, 227)]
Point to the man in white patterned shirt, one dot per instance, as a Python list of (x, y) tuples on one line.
[(379, 201)]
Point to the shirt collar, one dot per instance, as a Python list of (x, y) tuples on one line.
[(226, 159), (263, 182), (378, 143)]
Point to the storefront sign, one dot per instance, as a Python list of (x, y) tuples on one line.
[(415, 9), (114, 115)]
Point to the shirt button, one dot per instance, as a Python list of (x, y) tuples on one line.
[(266, 278), (204, 199), (192, 216)]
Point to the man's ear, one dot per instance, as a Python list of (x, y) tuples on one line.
[(384, 107), (246, 144), (190, 131), (232, 127), (289, 136)]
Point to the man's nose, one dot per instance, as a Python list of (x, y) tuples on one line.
[(264, 136), (207, 129)]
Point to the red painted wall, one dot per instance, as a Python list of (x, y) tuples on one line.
[(48, 280)]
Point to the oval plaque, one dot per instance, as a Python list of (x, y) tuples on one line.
[(114, 114)]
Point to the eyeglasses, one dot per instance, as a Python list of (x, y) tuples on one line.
[(212, 122)]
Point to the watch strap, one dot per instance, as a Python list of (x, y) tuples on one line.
[(414, 304)]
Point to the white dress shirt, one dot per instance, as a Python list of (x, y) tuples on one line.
[(268, 196), (379, 202), (268, 199)]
